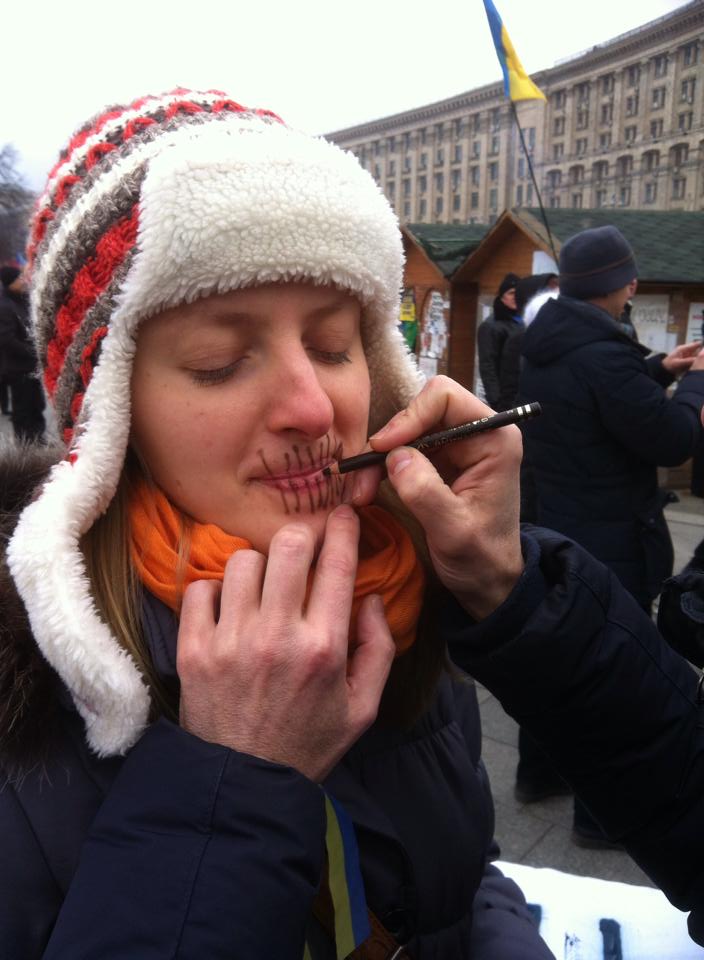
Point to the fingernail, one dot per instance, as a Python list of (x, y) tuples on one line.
[(396, 462), (376, 603), (345, 511), (380, 433)]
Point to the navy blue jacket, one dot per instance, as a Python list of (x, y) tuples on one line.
[(186, 849), (607, 425), (573, 658)]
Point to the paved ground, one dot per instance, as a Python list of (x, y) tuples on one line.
[(539, 834)]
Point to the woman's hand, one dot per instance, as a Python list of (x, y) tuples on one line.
[(465, 495), (272, 676)]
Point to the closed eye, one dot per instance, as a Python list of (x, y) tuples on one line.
[(328, 356), (206, 378)]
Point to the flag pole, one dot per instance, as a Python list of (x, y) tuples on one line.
[(535, 182)]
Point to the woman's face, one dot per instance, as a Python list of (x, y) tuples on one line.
[(239, 400)]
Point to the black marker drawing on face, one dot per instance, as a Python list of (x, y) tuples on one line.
[(329, 489)]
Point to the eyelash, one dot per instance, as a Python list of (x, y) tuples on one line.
[(208, 378)]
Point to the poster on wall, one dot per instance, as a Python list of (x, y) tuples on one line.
[(651, 318), (695, 321), (434, 334), (409, 319)]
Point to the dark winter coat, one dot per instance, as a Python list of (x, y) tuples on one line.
[(17, 356), (582, 668), (498, 347), (186, 849), (607, 424)]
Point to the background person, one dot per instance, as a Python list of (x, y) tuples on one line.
[(498, 364), (204, 630), (18, 361)]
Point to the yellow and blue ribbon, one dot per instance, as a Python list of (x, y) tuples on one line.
[(517, 84)]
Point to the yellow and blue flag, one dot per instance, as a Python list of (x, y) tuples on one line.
[(517, 84)]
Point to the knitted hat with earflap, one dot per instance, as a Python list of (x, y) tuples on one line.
[(152, 205)]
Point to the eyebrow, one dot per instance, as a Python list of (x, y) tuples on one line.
[(319, 313)]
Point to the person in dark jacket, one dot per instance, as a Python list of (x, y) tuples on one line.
[(498, 362), (18, 361), (226, 723), (608, 423)]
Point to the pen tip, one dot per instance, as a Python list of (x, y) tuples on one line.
[(327, 471)]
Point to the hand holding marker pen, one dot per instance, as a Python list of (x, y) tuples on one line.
[(434, 440)]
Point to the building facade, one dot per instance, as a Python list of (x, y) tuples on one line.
[(622, 126)]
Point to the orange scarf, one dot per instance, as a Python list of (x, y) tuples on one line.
[(388, 564)]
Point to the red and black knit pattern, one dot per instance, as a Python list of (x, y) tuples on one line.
[(85, 229)]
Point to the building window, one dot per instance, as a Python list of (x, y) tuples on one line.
[(439, 182), (558, 150), (607, 83), (576, 174), (582, 92), (577, 201), (604, 141), (423, 161), (607, 112), (651, 192), (519, 195), (406, 188), (406, 141), (377, 172), (476, 123), (521, 168), (601, 198), (554, 202), (624, 197), (438, 205), (493, 198), (678, 188), (455, 180), (474, 201), (476, 148), (687, 90), (529, 194), (457, 155), (422, 135), (438, 132), (456, 202), (632, 104), (390, 188), (531, 137), (495, 118), (439, 156), (633, 75), (495, 145), (558, 126), (422, 184), (582, 119), (629, 134), (680, 154), (656, 129), (457, 128), (558, 99), (422, 208), (377, 148), (660, 65), (406, 164), (476, 173), (651, 160), (600, 171), (406, 211), (624, 166), (658, 98), (392, 168), (684, 122), (581, 146), (690, 54), (493, 172), (554, 179)]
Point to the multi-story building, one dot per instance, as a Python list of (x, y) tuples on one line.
[(622, 126)]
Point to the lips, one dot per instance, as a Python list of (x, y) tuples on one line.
[(296, 479)]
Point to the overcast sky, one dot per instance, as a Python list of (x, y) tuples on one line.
[(321, 66)]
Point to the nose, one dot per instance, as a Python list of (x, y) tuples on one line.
[(298, 399)]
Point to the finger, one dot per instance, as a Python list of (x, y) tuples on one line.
[(199, 614), (423, 491), (441, 402), (241, 587), (333, 584), (370, 663), (364, 485), (290, 557)]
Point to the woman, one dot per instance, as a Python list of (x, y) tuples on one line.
[(208, 625)]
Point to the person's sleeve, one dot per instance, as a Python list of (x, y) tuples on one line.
[(637, 411), (197, 851), (574, 659), (489, 350)]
